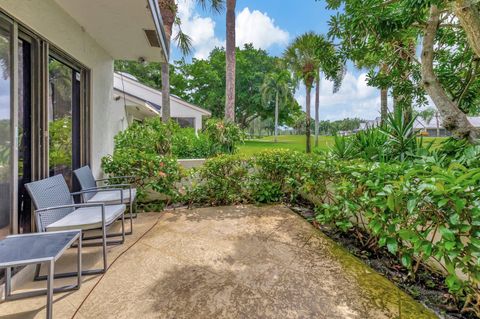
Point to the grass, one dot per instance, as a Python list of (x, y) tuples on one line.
[(297, 143), (291, 142)]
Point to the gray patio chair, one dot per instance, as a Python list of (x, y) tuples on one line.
[(56, 210), (108, 194)]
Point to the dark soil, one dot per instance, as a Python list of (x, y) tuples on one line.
[(427, 286)]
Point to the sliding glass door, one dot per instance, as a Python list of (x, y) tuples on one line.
[(44, 119)]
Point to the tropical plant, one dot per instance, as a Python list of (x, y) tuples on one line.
[(371, 145), (342, 148), (401, 139), (276, 87), (224, 136), (388, 32), (304, 56)]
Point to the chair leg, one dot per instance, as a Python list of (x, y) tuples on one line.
[(123, 227), (104, 235)]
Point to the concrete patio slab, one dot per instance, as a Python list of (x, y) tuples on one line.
[(228, 262)]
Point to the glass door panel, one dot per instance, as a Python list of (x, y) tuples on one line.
[(5, 133), (60, 110)]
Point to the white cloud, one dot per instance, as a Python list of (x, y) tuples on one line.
[(200, 29), (354, 99), (258, 28)]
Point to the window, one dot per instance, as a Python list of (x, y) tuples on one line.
[(185, 121)]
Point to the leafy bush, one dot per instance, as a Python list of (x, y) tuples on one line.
[(187, 144), (221, 180), (224, 136), (417, 211), (152, 136), (394, 141), (343, 148), (152, 172)]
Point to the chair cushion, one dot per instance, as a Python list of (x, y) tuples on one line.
[(113, 197), (87, 218)]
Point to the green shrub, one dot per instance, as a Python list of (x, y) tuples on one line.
[(288, 171), (221, 180), (405, 205), (187, 144), (152, 172), (152, 136), (224, 136)]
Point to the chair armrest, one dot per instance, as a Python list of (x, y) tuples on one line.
[(111, 187), (99, 190), (70, 206), (114, 177)]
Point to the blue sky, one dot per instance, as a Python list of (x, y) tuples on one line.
[(272, 25)]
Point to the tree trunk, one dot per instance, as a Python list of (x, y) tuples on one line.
[(317, 107), (468, 14), (165, 92), (168, 10), (438, 124), (384, 98), (276, 118), (383, 105), (307, 121), (230, 63), (454, 119)]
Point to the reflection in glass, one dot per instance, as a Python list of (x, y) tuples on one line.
[(5, 135), (60, 119), (24, 133)]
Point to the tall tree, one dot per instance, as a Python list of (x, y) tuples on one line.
[(448, 69), (230, 62), (384, 97), (302, 59), (317, 106), (305, 56), (276, 87)]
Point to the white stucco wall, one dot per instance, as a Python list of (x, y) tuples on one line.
[(47, 19)]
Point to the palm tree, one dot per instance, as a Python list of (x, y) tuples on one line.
[(230, 62), (169, 10), (317, 106), (276, 86), (302, 59), (305, 56), (384, 97)]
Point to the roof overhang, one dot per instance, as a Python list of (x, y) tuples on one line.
[(119, 26)]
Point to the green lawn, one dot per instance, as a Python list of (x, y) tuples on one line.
[(297, 143), (292, 142)]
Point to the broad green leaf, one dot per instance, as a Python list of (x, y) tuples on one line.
[(447, 233), (392, 245)]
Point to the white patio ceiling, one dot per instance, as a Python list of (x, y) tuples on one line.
[(118, 26)]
